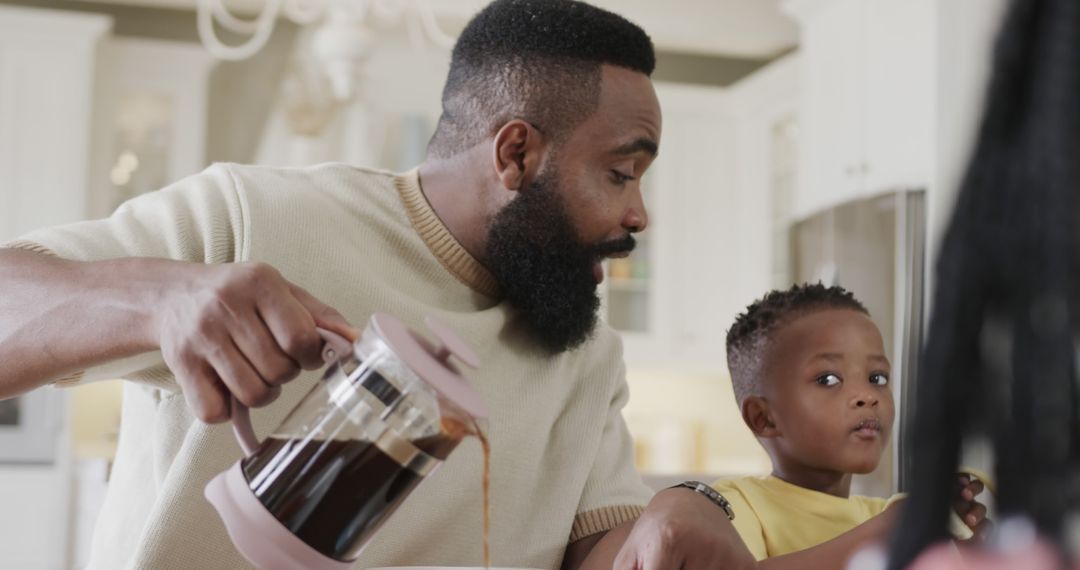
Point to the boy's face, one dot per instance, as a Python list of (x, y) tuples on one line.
[(827, 393)]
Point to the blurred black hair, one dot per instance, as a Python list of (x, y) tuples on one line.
[(1000, 355)]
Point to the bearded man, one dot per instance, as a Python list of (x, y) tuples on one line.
[(212, 288)]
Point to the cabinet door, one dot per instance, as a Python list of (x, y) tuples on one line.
[(154, 118), (47, 64), (705, 239), (832, 105), (899, 94)]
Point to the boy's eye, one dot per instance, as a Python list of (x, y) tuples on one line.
[(828, 380), (879, 379)]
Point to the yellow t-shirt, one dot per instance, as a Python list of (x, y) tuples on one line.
[(774, 517)]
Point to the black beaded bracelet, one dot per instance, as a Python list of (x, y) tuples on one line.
[(710, 493)]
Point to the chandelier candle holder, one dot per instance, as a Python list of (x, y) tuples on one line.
[(341, 43)]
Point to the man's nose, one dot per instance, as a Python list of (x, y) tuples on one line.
[(636, 218)]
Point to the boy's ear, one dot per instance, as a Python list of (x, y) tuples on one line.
[(516, 153), (758, 417)]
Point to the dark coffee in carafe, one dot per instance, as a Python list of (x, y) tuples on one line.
[(334, 494)]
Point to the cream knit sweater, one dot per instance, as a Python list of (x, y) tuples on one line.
[(360, 240)]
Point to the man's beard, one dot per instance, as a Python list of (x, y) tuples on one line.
[(544, 268)]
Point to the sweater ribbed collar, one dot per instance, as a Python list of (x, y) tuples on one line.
[(450, 253)]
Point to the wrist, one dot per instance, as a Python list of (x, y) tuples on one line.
[(137, 290), (708, 493)]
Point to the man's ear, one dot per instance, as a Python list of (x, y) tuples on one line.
[(758, 417), (517, 152)]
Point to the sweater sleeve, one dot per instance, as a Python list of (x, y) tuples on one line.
[(198, 219), (614, 492)]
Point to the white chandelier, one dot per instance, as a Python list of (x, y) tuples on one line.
[(341, 42)]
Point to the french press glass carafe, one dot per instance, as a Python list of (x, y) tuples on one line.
[(389, 409)]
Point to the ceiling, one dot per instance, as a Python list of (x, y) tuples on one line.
[(753, 29)]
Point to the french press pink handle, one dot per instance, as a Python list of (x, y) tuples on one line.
[(336, 345)]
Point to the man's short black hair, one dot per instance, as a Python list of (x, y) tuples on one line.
[(746, 339), (535, 60)]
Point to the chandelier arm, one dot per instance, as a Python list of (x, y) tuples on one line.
[(431, 26), (388, 10), (305, 12), (264, 27), (416, 34), (229, 21)]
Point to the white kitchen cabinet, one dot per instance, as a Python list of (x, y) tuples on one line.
[(78, 106), (867, 108), (47, 83), (900, 91), (151, 116), (830, 111), (708, 250)]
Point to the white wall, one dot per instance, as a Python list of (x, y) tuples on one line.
[(966, 30), (35, 529)]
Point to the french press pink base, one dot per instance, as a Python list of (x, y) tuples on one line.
[(256, 533)]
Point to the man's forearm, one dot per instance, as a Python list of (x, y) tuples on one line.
[(679, 529), (59, 316), (732, 553), (597, 552)]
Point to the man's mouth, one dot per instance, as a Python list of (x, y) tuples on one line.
[(869, 428), (598, 267)]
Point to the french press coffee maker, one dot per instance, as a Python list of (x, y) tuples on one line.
[(389, 409)]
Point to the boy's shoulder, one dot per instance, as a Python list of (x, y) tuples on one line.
[(738, 483), (767, 492), (749, 492), (756, 484)]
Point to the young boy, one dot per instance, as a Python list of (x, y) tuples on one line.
[(812, 381)]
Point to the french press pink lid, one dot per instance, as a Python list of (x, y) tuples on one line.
[(390, 408)]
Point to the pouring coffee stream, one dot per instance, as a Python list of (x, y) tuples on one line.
[(390, 409), (487, 493)]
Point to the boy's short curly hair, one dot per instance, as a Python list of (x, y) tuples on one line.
[(746, 338)]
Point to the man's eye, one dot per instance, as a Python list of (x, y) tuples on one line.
[(828, 380), (620, 178), (879, 379)]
